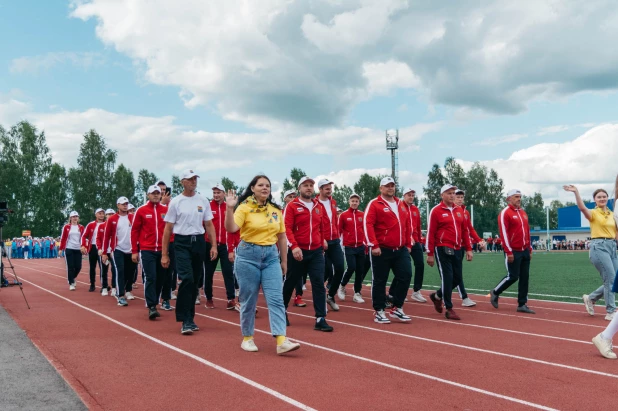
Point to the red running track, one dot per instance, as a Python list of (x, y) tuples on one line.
[(116, 358)]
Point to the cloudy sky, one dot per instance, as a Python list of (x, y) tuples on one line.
[(236, 87)]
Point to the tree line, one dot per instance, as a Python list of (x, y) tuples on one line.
[(40, 192)]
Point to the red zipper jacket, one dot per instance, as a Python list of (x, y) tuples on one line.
[(100, 235), (109, 238), (232, 241), (330, 227), (351, 227), (475, 239), (415, 216), (384, 228), (218, 213), (447, 228), (514, 229), (147, 228), (65, 235), (303, 228), (89, 232)]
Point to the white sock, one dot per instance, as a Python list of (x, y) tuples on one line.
[(612, 329), (317, 320)]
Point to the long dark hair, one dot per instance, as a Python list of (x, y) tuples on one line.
[(248, 193)]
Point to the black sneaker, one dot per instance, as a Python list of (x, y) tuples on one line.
[(153, 313), (389, 301), (92, 288), (524, 309), (193, 326), (493, 298), (287, 322), (166, 305), (186, 328), (322, 325)]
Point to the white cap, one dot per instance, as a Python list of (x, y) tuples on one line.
[(354, 195), (131, 206), (74, 214), (110, 211), (98, 210), (218, 186), (288, 192), (460, 191), (513, 192), (324, 182), (122, 200), (188, 174), (386, 180), (153, 188), (408, 190), (305, 178), (447, 187)]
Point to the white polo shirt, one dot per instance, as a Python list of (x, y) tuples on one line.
[(188, 214)]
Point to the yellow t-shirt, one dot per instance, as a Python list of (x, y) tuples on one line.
[(602, 224), (259, 224)]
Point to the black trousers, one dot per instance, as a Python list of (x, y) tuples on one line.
[(73, 259), (519, 269), (461, 253), (399, 262), (122, 269), (226, 268), (94, 260), (154, 276), (419, 267), (356, 265), (190, 252), (173, 272), (336, 256), (313, 265), (450, 268)]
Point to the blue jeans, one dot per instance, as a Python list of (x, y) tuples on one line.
[(603, 257), (257, 265)]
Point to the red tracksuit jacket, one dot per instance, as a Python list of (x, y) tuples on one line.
[(447, 228), (100, 236), (65, 235), (303, 228), (109, 238), (384, 228), (514, 229), (473, 235), (232, 241), (89, 232), (147, 228), (351, 227), (330, 227)]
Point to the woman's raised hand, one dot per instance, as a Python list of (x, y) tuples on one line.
[(231, 199), (571, 188)]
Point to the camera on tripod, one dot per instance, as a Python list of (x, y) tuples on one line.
[(4, 212)]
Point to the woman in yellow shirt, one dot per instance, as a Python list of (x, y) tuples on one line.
[(602, 248), (257, 261)]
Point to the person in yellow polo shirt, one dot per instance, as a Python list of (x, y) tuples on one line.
[(602, 248), (257, 262)]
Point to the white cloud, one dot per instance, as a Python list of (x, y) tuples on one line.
[(552, 129), (12, 108), (407, 178), (35, 64), (382, 78), (495, 141)]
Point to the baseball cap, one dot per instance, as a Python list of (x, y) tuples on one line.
[(460, 191), (98, 210), (218, 186), (131, 206), (188, 174), (288, 192), (324, 182), (160, 182), (122, 200), (153, 188), (408, 190), (74, 214), (354, 195), (446, 187), (305, 178), (386, 180), (513, 192), (110, 211)]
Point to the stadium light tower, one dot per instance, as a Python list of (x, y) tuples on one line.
[(392, 144)]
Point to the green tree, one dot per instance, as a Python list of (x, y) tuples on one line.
[(368, 188), (51, 213), (342, 195), (228, 184), (144, 180), (291, 183), (176, 186), (454, 173), (91, 184), (553, 213), (535, 208), (124, 184), (435, 181)]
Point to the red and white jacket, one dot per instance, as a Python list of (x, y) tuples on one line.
[(447, 227), (415, 221), (100, 235), (109, 238), (91, 231), (384, 228), (147, 228), (514, 229), (64, 237), (233, 240), (474, 237), (351, 227), (303, 227), (330, 226), (218, 213)]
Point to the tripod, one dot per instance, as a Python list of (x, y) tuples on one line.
[(3, 281)]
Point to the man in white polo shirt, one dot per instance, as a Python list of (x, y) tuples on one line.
[(188, 217)]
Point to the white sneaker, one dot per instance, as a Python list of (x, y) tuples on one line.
[(249, 345), (197, 300), (236, 293), (467, 302), (331, 302), (589, 304), (418, 297), (129, 296), (113, 292), (71, 287), (174, 296), (610, 317), (358, 298), (604, 346), (74, 285), (304, 287), (380, 317), (287, 346), (405, 299), (399, 314), (104, 292), (341, 293)]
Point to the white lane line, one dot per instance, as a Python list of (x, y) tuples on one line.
[(225, 371)]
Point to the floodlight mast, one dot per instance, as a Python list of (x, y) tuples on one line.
[(392, 144)]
